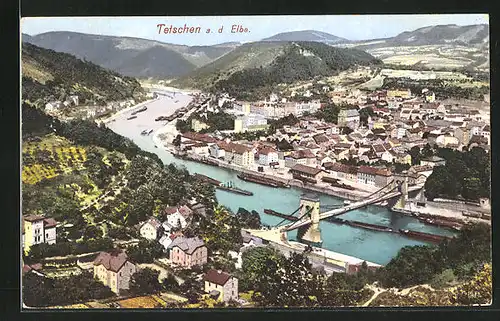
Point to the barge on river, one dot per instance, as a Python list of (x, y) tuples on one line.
[(368, 226), (140, 110), (262, 180), (229, 187)]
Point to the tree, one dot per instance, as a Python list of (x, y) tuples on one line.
[(145, 251), (413, 265), (145, 281), (254, 264), (39, 291), (288, 283), (92, 232), (170, 283), (364, 114), (177, 141), (476, 291), (415, 155), (182, 126), (248, 219)]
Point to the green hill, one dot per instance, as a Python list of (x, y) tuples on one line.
[(88, 176), (253, 67), (49, 75)]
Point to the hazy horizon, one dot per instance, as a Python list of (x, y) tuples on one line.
[(351, 27)]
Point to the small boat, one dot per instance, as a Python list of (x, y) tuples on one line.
[(132, 117), (144, 132), (347, 202), (150, 131), (139, 110), (156, 146), (176, 101)]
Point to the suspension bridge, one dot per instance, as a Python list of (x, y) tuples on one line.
[(307, 224)]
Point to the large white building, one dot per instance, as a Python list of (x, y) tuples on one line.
[(268, 156), (38, 230), (238, 154)]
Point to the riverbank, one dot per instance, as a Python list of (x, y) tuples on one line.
[(431, 210), (128, 109)]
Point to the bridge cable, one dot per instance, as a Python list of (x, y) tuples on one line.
[(367, 197), (285, 219), (300, 218)]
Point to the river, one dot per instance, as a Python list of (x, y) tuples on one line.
[(377, 247)]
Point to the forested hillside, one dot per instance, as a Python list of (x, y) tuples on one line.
[(252, 69), (49, 75), (97, 181)]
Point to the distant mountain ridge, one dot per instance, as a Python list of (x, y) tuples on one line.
[(126, 55), (473, 35), (307, 35)]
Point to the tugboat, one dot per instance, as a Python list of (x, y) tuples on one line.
[(229, 187)]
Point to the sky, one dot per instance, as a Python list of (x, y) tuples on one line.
[(352, 27)]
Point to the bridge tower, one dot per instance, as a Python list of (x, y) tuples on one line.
[(311, 233), (403, 186)]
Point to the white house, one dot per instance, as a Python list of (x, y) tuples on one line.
[(267, 156), (217, 150), (221, 285), (151, 229), (37, 230), (178, 217)]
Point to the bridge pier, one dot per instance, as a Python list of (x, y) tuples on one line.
[(403, 186), (311, 233)]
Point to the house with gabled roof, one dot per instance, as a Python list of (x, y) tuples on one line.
[(151, 229), (177, 217), (188, 251), (220, 285), (114, 270), (38, 229)]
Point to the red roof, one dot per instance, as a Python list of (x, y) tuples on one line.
[(266, 151), (374, 171), (217, 277), (112, 261), (199, 137)]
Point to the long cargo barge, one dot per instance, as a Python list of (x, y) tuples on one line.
[(274, 213), (262, 181), (368, 226), (423, 236), (234, 190)]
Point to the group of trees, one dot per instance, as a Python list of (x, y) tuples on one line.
[(278, 281), (421, 264), (39, 291), (289, 120), (43, 250), (465, 174), (145, 251)]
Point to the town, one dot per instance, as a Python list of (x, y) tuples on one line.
[(348, 182)]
